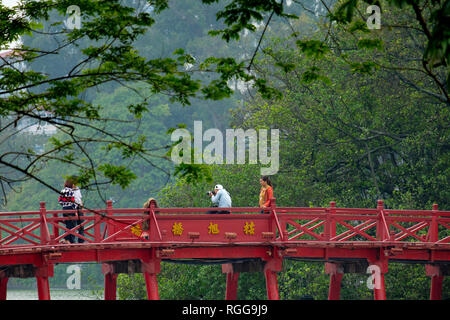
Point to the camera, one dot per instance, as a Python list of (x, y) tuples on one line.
[(208, 193)]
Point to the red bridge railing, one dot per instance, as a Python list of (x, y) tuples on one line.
[(337, 236), (279, 225)]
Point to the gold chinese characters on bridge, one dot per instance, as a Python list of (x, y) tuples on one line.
[(213, 228), (177, 229), (136, 230), (249, 228)]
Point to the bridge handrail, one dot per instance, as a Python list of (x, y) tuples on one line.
[(286, 223)]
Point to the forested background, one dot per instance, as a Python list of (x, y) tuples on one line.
[(357, 123)]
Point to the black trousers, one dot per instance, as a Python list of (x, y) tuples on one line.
[(218, 212), (70, 224)]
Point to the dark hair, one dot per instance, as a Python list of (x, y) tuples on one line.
[(149, 202), (266, 179), (68, 183)]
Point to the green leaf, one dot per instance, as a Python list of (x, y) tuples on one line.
[(313, 48), (193, 173), (364, 67), (287, 67), (370, 44), (118, 174), (312, 74), (359, 25)]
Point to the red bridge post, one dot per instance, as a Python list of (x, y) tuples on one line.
[(110, 286), (232, 286), (330, 224), (42, 273), (272, 266), (271, 284), (110, 281), (274, 263), (45, 233), (333, 269), (378, 267), (435, 272), (232, 281), (110, 226), (3, 286), (382, 231), (336, 273), (3, 280), (151, 266), (434, 228)]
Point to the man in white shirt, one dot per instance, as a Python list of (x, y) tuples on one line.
[(221, 198)]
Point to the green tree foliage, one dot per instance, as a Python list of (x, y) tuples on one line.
[(361, 119), (358, 137), (63, 69)]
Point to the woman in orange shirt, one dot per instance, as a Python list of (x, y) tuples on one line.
[(266, 192)]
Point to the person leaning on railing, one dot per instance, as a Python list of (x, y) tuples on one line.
[(266, 193), (70, 199), (151, 202)]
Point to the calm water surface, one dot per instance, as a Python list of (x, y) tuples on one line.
[(55, 294)]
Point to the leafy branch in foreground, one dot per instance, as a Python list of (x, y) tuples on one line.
[(101, 53)]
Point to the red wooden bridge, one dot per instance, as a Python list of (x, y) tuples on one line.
[(345, 239)]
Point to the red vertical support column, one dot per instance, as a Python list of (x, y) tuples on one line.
[(97, 228), (276, 224), (151, 266), (330, 225), (378, 268), (433, 231), (270, 272), (55, 228), (3, 281), (45, 234), (43, 288), (436, 287), (42, 274), (437, 278), (232, 281), (109, 222), (271, 285), (333, 269), (110, 286), (151, 283), (274, 263), (382, 233), (110, 281), (3, 287), (329, 230), (379, 291), (434, 271), (336, 274), (232, 286)]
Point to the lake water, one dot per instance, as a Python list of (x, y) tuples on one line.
[(55, 294)]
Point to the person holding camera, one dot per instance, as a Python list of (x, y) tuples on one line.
[(221, 198)]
